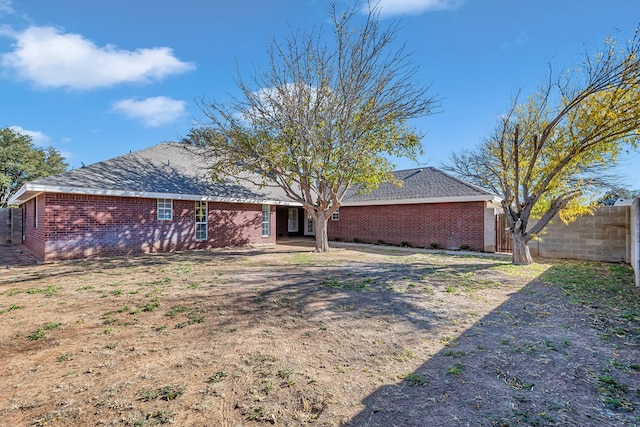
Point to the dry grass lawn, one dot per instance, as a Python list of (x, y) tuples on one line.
[(363, 336)]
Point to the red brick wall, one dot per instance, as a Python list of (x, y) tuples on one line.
[(77, 226), (35, 237), (449, 225)]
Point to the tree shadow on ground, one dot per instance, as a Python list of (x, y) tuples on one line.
[(535, 360), (30, 268), (355, 291)]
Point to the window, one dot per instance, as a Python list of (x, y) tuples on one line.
[(201, 220), (35, 212), (335, 216), (266, 221), (165, 209)]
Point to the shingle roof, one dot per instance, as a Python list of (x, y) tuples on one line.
[(171, 169), (167, 168), (420, 184)]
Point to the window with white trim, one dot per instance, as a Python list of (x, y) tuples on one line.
[(266, 221), (201, 220), (35, 212), (335, 216), (165, 209)]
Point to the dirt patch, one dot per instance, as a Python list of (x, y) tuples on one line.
[(281, 336)]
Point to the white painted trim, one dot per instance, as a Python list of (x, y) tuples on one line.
[(16, 198), (293, 224), (307, 231), (141, 194), (20, 192), (451, 199)]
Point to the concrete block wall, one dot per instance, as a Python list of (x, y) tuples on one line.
[(634, 238), (449, 225), (599, 237)]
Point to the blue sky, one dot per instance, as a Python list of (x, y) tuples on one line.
[(96, 79)]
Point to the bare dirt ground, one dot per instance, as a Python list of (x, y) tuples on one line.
[(362, 336)]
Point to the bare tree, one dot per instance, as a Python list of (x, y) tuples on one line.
[(549, 155), (323, 115)]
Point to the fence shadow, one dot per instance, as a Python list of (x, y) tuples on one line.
[(534, 360)]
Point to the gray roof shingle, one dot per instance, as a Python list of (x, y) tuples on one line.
[(421, 183), (170, 168), (167, 168)]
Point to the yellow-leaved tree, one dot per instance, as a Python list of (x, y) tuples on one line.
[(549, 155)]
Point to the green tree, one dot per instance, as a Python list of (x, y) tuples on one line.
[(549, 155), (21, 161), (322, 116)]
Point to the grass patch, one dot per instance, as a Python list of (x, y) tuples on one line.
[(415, 379), (168, 392), (218, 376), (64, 357), (12, 308), (158, 417), (456, 370), (48, 291), (193, 319), (151, 306), (39, 333), (175, 310), (597, 284), (614, 393), (349, 284)]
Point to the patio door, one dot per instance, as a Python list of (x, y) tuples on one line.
[(293, 220), (309, 226)]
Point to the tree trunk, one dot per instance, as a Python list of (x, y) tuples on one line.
[(520, 251), (322, 241)]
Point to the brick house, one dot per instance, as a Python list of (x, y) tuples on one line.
[(154, 200), (160, 199), (430, 209)]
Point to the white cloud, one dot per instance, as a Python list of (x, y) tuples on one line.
[(6, 7), (415, 7), (37, 137), (153, 112), (50, 59)]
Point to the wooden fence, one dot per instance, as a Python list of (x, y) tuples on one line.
[(10, 226)]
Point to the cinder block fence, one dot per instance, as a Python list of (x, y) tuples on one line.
[(611, 234), (599, 237)]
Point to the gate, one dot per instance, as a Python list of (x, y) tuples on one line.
[(503, 238), (10, 226)]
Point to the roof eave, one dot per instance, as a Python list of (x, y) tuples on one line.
[(424, 200), (32, 190), (18, 199)]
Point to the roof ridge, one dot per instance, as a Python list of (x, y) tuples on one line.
[(461, 181)]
